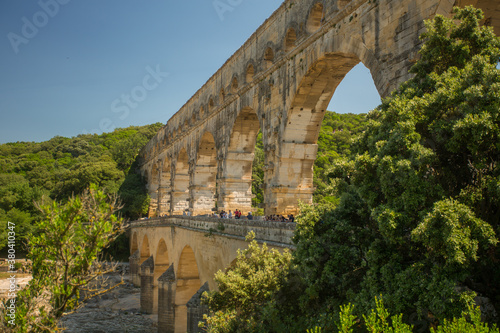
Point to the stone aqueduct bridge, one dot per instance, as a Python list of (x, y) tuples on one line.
[(174, 260), (279, 82)]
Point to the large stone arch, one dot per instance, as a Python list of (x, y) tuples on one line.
[(235, 186), (293, 171), (188, 283), (161, 264), (204, 177), (180, 193), (145, 251)]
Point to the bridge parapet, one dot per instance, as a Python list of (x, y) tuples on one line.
[(278, 234)]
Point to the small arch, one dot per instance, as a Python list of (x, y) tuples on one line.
[(188, 283), (202, 111), (290, 39), (269, 57), (145, 254), (211, 105), (161, 260), (134, 246), (234, 85), (315, 18), (193, 119), (222, 95), (250, 73)]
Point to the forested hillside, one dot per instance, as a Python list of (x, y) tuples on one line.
[(61, 167)]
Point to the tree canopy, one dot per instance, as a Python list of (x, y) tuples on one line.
[(62, 167)]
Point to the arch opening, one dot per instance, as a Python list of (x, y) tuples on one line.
[(222, 95), (315, 18), (269, 57), (250, 73), (162, 263), (292, 177), (134, 245), (234, 86), (235, 187), (211, 105), (188, 283), (145, 253), (204, 180), (290, 39)]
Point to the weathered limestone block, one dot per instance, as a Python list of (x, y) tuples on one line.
[(180, 201), (134, 260), (153, 205), (203, 199), (196, 309), (235, 194), (166, 301), (164, 199), (147, 285)]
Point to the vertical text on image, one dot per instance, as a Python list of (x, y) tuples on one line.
[(11, 260)]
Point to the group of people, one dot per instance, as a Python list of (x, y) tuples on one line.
[(237, 215), (280, 218)]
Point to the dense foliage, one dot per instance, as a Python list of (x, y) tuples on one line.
[(418, 212), (419, 201), (61, 167), (64, 261), (245, 288)]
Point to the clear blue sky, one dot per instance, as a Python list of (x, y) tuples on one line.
[(65, 68)]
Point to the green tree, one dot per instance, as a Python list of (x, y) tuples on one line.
[(419, 208), (246, 288), (64, 258), (258, 172)]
